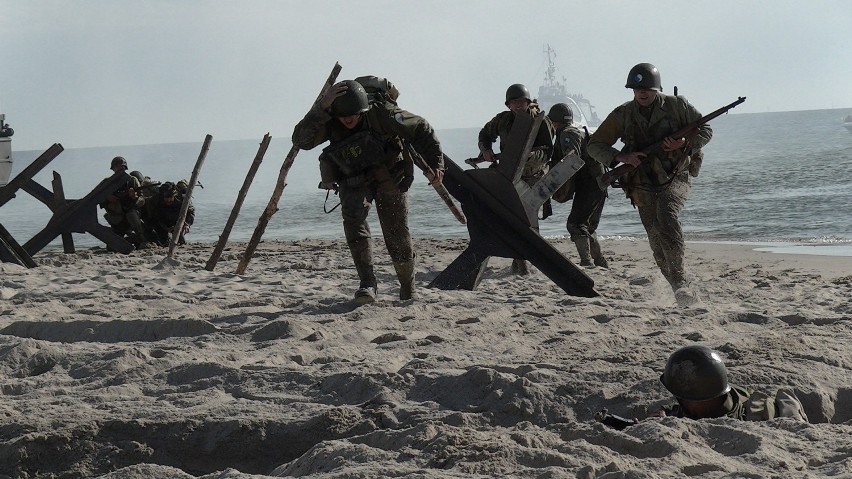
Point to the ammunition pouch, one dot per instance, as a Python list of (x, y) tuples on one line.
[(355, 154)]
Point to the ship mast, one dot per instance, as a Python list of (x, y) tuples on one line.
[(550, 73)]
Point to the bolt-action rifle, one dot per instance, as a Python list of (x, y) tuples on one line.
[(430, 175), (687, 132)]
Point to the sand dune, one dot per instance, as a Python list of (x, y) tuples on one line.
[(125, 367)]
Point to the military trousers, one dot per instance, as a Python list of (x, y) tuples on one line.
[(586, 207), (661, 219), (392, 210)]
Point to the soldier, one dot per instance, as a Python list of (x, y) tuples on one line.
[(659, 184), (698, 379), (163, 211), (588, 202), (518, 101), (364, 161), (122, 207)]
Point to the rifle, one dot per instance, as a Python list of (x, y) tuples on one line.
[(609, 177), (430, 175), (616, 422)]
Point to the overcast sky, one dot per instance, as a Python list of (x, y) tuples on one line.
[(129, 72)]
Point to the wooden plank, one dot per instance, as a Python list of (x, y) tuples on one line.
[(77, 214), (8, 192), (12, 252), (59, 202)]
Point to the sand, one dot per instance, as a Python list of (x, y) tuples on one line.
[(125, 367)]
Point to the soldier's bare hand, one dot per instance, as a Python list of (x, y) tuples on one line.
[(336, 90), (438, 178), (488, 156), (672, 144), (633, 159)]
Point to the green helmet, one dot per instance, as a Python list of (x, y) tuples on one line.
[(118, 161), (353, 102), (644, 76), (517, 91), (561, 113), (695, 373)]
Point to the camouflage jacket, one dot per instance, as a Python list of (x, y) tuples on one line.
[(743, 404), (639, 128), (498, 128), (386, 122)]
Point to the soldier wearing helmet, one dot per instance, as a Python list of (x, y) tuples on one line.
[(519, 102), (163, 211), (364, 161), (659, 183), (122, 207), (696, 376), (588, 198)]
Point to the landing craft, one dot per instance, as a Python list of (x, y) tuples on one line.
[(552, 91), (5, 150)]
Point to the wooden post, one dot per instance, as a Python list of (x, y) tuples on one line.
[(8, 192), (187, 197), (272, 206), (11, 251), (58, 202), (241, 196)]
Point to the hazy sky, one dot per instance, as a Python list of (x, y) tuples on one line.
[(128, 72)]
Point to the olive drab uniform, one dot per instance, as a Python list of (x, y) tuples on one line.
[(367, 164), (658, 188), (124, 215), (743, 404), (588, 198), (500, 126)]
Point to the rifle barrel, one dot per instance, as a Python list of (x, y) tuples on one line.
[(610, 176)]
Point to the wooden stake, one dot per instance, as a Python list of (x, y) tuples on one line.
[(241, 196), (58, 202), (272, 206), (187, 197)]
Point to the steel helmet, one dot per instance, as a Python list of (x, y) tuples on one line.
[(353, 102), (517, 91), (168, 189), (695, 373), (561, 113), (644, 76), (118, 161)]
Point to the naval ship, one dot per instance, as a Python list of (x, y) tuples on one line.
[(553, 91)]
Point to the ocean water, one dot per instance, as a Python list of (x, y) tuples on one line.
[(782, 179)]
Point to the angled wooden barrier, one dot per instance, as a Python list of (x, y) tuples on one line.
[(502, 215), (69, 216)]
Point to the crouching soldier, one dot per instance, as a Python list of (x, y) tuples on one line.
[(122, 207), (364, 161), (163, 211)]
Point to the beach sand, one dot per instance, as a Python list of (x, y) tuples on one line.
[(127, 367)]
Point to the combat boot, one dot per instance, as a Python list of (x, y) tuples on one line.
[(520, 267), (597, 255), (362, 255), (584, 249), (405, 274)]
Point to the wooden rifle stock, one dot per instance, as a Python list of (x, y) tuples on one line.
[(440, 189), (610, 176)]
